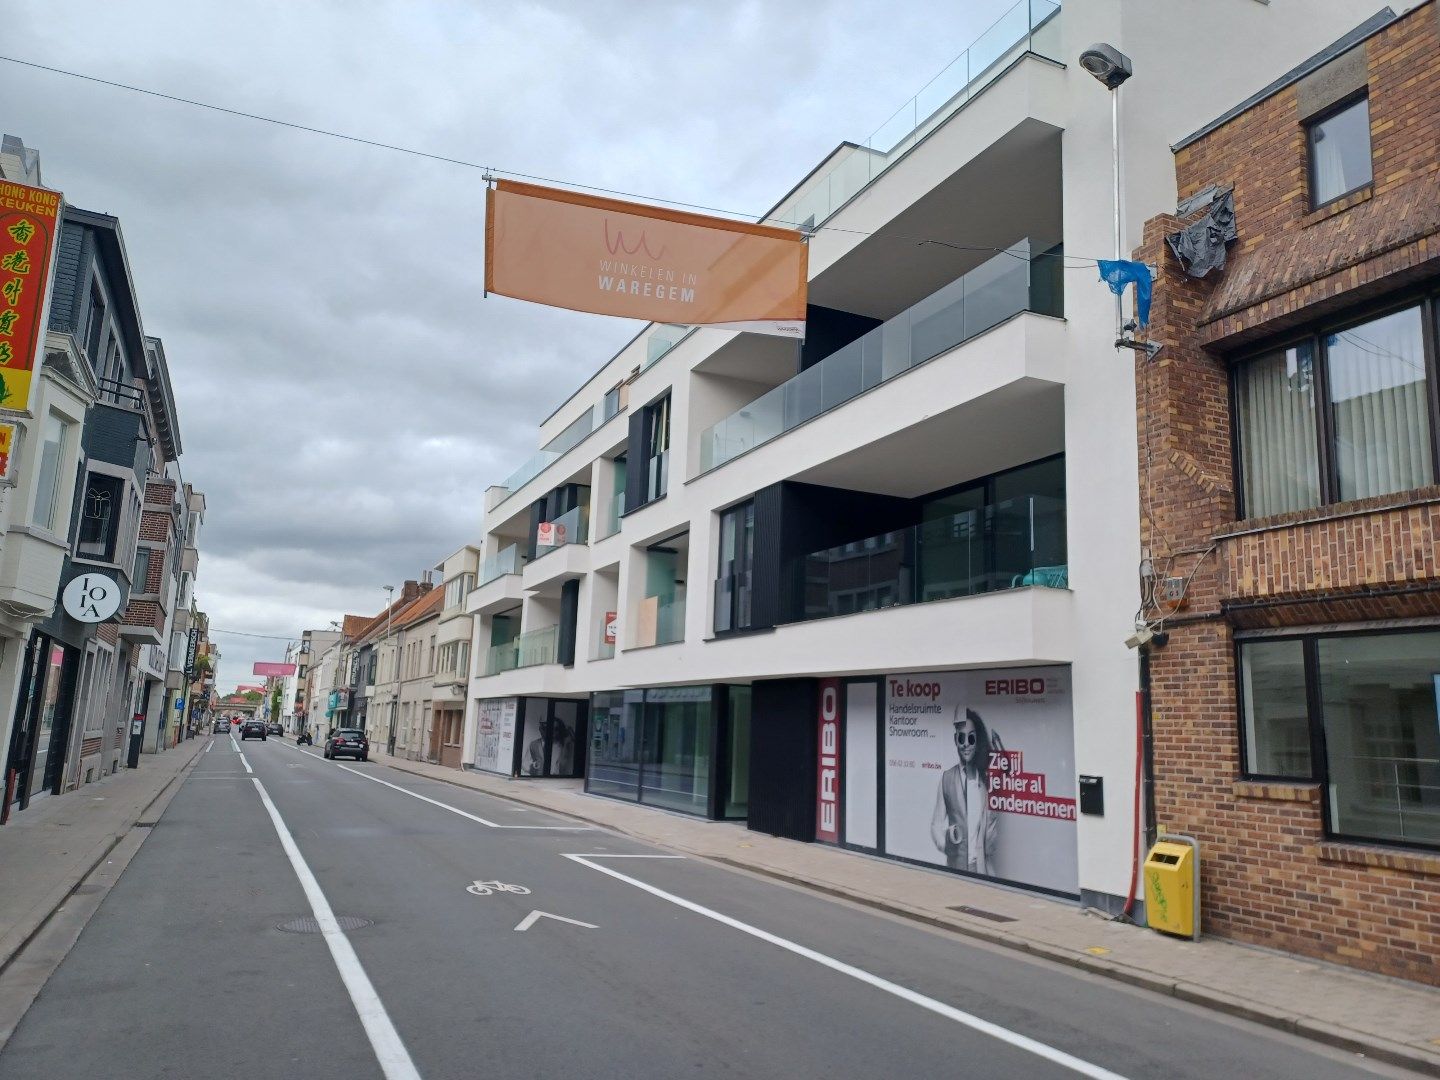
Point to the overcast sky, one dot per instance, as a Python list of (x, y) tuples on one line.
[(344, 393)]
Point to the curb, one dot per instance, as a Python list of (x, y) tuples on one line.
[(1369, 1046), (106, 846)]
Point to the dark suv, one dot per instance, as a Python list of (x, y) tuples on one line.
[(253, 729), (348, 741)]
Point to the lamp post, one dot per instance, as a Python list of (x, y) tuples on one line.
[(1111, 68), (390, 724)]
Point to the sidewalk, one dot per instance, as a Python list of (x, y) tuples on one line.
[(1386, 1019), (47, 850)]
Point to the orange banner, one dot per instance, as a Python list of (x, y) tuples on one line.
[(7, 449), (28, 220), (640, 262)]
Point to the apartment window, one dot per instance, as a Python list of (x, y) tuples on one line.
[(47, 478), (1342, 414), (1358, 713), (1339, 145), (657, 448), (737, 556), (100, 517), (94, 324), (457, 588), (140, 579), (610, 405)]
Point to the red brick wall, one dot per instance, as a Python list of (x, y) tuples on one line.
[(1269, 875)]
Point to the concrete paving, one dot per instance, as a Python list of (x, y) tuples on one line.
[(49, 848), (1386, 1018), (644, 965)]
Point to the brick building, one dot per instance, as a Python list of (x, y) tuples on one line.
[(1291, 509)]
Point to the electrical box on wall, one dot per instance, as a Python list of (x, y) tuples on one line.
[(1092, 795)]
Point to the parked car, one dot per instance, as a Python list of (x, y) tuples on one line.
[(274, 729), (253, 729), (348, 741)]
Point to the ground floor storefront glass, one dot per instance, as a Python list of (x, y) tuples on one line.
[(531, 736), (1356, 712), (684, 748)]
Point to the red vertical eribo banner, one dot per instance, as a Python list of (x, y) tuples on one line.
[(29, 219)]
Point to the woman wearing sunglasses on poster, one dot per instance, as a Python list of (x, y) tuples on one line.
[(963, 825)]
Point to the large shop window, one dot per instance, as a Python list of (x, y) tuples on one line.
[(661, 746), (1357, 713), (1371, 437)]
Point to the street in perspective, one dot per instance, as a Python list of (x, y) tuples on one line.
[(979, 616)]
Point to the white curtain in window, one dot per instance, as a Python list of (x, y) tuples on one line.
[(1275, 400), (1380, 408), (1329, 166)]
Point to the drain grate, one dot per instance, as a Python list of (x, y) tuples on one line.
[(307, 925), (966, 909)]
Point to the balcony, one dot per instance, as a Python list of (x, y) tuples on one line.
[(499, 585), (1009, 545), (660, 621), (505, 561), (1031, 26), (590, 420), (565, 559), (610, 514), (1012, 282), (530, 649)]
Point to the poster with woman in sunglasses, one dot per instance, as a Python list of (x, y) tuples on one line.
[(963, 827)]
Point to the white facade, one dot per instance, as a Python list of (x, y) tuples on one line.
[(1019, 160)]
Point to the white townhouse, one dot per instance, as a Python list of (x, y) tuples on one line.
[(874, 589)]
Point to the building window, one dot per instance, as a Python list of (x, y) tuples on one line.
[(657, 448), (1372, 437), (140, 579), (47, 476), (100, 517), (1370, 702), (1339, 152), (732, 581)]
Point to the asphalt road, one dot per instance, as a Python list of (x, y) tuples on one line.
[(684, 968)]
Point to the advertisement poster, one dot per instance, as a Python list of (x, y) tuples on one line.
[(495, 735), (980, 774), (610, 257)]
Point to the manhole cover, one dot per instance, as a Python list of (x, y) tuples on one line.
[(306, 925)]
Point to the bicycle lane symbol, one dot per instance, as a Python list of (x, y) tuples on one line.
[(489, 888)]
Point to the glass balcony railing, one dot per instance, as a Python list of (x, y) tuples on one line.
[(571, 527), (530, 649), (661, 621), (1011, 282), (1029, 26), (505, 561), (581, 426), (1006, 545), (662, 339), (610, 515)]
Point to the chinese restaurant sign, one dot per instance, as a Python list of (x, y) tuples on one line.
[(610, 257), (28, 218)]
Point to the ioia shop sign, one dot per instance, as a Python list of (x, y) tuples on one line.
[(91, 598)]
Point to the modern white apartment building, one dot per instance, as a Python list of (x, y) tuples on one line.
[(875, 589)]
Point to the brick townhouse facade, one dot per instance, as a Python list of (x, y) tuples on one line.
[(1291, 510)]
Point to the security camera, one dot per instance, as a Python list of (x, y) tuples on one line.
[(1142, 636)]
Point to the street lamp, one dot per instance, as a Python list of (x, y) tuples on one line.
[(1111, 68), (395, 668)]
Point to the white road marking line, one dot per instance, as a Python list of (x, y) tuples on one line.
[(455, 809), (949, 1012), (389, 1049), (246, 763), (209, 745), (535, 916)]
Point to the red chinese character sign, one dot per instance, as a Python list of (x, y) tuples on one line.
[(29, 218)]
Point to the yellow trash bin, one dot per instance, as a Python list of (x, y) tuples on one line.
[(1171, 882)]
